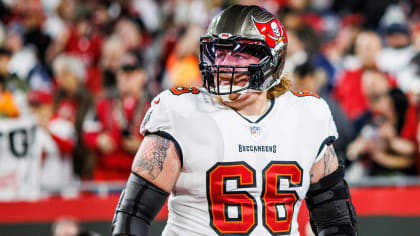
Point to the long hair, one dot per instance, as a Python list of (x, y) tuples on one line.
[(279, 89)]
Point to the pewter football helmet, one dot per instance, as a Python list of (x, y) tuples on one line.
[(245, 29)]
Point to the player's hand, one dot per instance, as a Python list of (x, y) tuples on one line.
[(105, 143)]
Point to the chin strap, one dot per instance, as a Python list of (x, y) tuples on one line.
[(226, 89), (226, 98)]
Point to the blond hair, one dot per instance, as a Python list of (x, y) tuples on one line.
[(279, 89)]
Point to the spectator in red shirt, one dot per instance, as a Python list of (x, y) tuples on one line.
[(55, 141), (386, 143), (72, 102), (113, 131), (82, 39), (348, 90)]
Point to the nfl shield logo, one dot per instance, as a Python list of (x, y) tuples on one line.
[(255, 130)]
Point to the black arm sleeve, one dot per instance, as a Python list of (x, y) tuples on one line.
[(330, 208), (139, 204)]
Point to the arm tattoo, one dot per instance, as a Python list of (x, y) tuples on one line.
[(152, 159), (327, 165), (330, 160)]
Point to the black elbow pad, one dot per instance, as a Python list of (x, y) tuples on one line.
[(330, 207), (139, 204)]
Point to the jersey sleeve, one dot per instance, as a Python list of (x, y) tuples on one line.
[(161, 117), (158, 118), (327, 128)]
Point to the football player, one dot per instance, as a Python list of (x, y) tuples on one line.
[(238, 156)]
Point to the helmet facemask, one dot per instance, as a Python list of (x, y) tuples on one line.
[(223, 79)]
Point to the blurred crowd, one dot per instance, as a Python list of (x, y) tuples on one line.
[(76, 78)]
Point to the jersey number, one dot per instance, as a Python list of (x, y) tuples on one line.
[(233, 211), (305, 93), (182, 90)]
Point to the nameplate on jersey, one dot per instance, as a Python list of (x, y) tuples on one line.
[(257, 148)]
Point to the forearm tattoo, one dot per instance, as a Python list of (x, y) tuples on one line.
[(326, 166), (151, 160), (330, 160)]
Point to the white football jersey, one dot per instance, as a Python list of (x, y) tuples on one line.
[(240, 177)]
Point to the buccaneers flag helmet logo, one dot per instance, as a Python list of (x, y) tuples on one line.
[(272, 31)]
